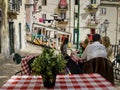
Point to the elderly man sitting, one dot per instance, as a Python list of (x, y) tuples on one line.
[(95, 55), (96, 49)]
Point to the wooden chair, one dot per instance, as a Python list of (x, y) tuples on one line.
[(100, 65)]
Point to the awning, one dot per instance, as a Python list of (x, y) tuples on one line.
[(63, 4), (51, 29)]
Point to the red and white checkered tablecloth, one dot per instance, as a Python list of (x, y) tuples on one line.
[(63, 82), (24, 66)]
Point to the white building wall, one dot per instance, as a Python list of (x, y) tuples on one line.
[(20, 19), (83, 18), (52, 8), (111, 15)]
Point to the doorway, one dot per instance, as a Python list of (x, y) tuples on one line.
[(11, 37), (0, 38), (20, 40)]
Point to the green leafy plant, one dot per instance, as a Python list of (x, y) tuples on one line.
[(48, 64)]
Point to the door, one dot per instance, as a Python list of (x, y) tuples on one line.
[(11, 37), (0, 37), (20, 40)]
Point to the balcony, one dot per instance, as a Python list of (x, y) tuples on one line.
[(110, 2), (92, 23), (91, 8), (63, 6), (63, 22), (13, 9)]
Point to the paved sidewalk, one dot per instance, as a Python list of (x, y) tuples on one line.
[(9, 68)]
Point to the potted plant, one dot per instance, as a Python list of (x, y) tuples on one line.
[(48, 65)]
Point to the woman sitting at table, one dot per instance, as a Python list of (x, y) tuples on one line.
[(71, 64), (63, 48), (106, 43), (96, 59)]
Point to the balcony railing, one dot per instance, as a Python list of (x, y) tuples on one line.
[(13, 9), (93, 23), (110, 2), (64, 22), (91, 8), (64, 8), (14, 6)]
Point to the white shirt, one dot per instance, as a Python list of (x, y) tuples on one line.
[(94, 50)]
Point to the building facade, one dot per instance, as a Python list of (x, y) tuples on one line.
[(110, 10), (77, 18), (13, 26), (92, 15), (51, 19)]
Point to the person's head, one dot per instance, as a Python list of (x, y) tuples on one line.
[(96, 37), (106, 41), (65, 41), (86, 42), (81, 43)]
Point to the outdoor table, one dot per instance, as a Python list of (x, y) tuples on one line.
[(63, 82)]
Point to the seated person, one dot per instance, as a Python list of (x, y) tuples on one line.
[(95, 49), (106, 43), (64, 47)]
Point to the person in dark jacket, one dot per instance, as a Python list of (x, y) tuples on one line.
[(63, 48)]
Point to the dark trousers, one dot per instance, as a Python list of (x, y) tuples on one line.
[(74, 67)]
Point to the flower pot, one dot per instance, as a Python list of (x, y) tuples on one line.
[(47, 83)]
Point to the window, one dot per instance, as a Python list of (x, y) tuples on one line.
[(44, 2), (63, 15), (93, 17), (0, 13), (76, 15), (102, 11), (76, 2), (44, 16), (119, 13), (93, 1), (20, 2), (14, 5)]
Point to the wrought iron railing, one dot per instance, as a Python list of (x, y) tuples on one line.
[(111, 0), (92, 22), (14, 6)]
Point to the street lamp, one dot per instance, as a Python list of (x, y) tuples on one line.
[(106, 24)]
